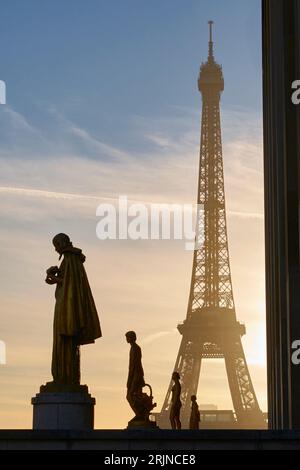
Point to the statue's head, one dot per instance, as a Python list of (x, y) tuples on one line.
[(175, 376), (60, 242), (130, 337)]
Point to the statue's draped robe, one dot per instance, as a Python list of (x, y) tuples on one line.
[(75, 318)]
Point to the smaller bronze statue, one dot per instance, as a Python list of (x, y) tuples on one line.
[(195, 413), (141, 403), (175, 402), (75, 317)]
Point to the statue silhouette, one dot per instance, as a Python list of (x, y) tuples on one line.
[(140, 402), (75, 317), (175, 402), (195, 413)]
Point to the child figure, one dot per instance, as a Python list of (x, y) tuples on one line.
[(195, 413)]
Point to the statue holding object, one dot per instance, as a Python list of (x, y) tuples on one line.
[(141, 403), (76, 320)]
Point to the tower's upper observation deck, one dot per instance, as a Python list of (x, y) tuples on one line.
[(210, 76)]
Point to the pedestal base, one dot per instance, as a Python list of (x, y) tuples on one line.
[(139, 423), (63, 410)]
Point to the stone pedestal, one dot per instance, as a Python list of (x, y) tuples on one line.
[(139, 423), (63, 410)]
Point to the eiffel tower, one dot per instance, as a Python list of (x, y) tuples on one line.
[(211, 329)]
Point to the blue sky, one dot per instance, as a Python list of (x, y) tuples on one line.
[(102, 101), (102, 63)]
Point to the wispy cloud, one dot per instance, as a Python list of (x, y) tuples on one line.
[(159, 334), (165, 172), (17, 120), (246, 215), (47, 194), (100, 146)]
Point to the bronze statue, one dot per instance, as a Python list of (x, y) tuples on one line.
[(140, 402), (75, 317), (175, 402), (195, 413)]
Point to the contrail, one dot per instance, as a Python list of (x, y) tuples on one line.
[(49, 194)]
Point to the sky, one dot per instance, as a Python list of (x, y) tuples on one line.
[(102, 101)]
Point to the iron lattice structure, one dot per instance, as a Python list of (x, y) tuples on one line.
[(210, 329)]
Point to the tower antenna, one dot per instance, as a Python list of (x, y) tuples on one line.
[(210, 44)]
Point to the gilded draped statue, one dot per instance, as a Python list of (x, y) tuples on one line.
[(75, 317)]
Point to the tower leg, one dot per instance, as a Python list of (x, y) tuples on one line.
[(243, 396)]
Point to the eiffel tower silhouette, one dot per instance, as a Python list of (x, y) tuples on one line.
[(211, 329)]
